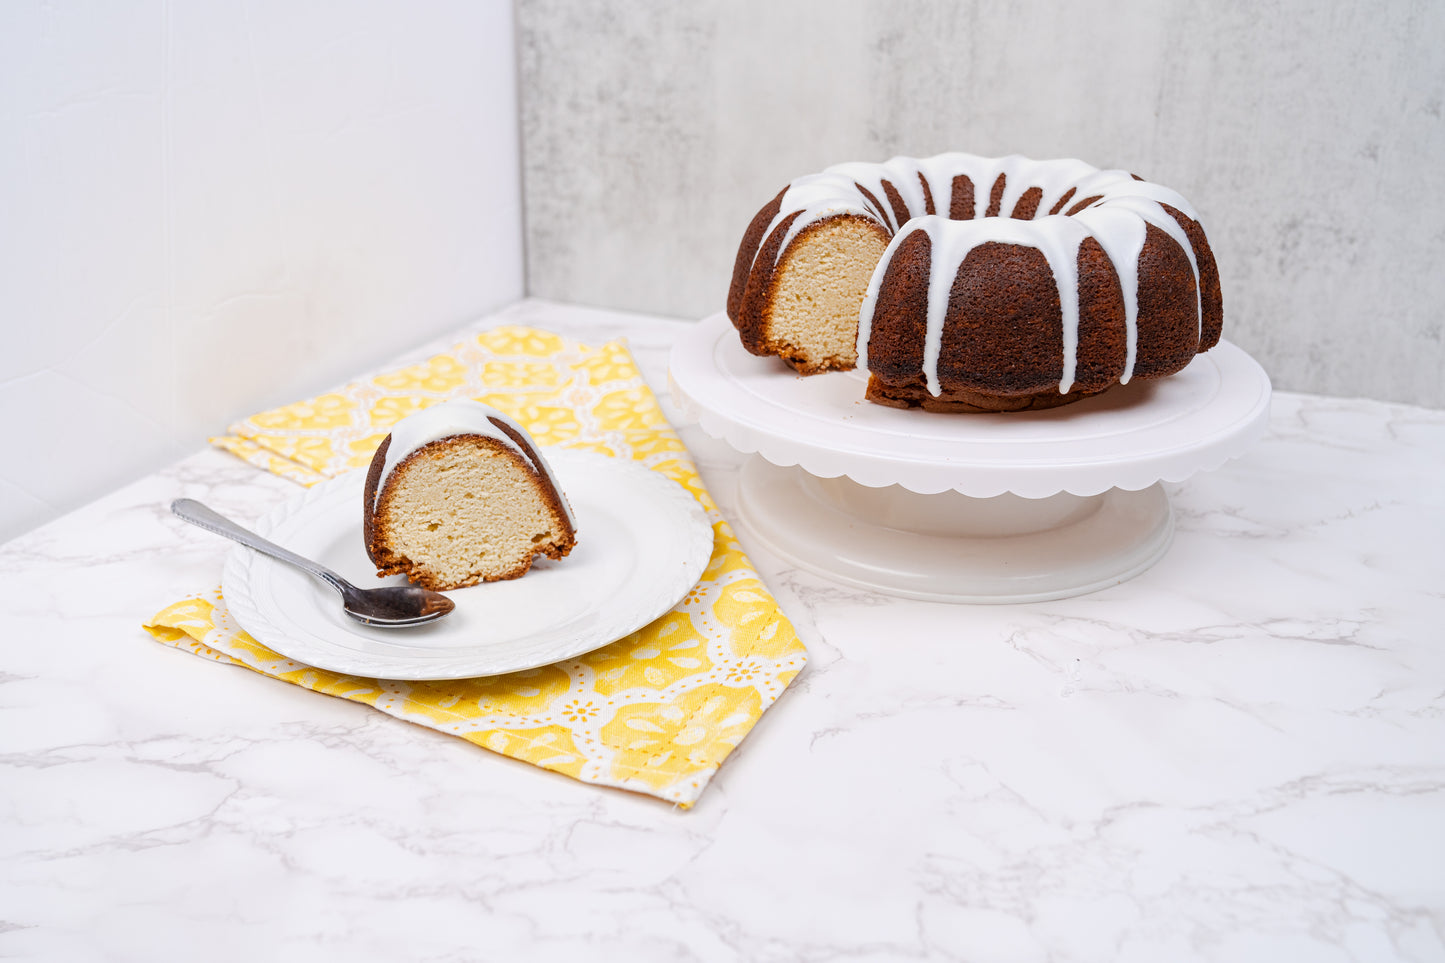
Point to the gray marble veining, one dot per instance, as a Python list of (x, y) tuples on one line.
[(1238, 755)]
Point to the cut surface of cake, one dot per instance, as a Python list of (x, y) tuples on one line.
[(459, 494), (966, 283)]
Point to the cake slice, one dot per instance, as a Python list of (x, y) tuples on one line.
[(458, 494)]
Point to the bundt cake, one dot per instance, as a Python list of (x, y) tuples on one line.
[(966, 283), (459, 494)]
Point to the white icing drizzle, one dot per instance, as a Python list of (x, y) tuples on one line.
[(1122, 238), (462, 417), (1118, 220)]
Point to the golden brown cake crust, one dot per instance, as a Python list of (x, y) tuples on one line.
[(757, 294), (374, 549), (964, 401), (747, 254)]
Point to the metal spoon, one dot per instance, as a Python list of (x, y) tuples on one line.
[(391, 607)]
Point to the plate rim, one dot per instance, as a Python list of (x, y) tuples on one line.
[(652, 599)]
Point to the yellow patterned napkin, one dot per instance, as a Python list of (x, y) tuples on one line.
[(655, 712)]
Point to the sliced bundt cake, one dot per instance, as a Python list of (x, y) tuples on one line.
[(965, 283)]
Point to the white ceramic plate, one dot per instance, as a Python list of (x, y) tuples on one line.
[(642, 543)]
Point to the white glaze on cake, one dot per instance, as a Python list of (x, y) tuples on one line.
[(463, 417), (1118, 221)]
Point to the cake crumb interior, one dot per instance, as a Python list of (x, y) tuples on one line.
[(820, 286), (470, 511)]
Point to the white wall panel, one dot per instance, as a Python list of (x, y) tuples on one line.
[(210, 208)]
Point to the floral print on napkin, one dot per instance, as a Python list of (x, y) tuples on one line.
[(655, 712)]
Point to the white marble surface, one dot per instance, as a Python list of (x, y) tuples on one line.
[(1239, 755)]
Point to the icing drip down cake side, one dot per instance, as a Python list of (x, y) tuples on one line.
[(965, 283), (458, 494)]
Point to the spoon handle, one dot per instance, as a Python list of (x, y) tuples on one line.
[(212, 521)]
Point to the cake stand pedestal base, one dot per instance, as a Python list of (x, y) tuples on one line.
[(964, 508), (951, 547)]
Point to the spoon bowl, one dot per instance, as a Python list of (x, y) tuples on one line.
[(395, 606)]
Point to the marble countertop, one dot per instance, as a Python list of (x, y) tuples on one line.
[(1238, 755)]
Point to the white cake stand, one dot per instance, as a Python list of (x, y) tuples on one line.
[(1013, 507)]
